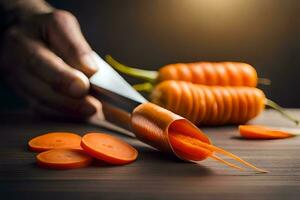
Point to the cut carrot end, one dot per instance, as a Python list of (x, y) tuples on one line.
[(256, 132)]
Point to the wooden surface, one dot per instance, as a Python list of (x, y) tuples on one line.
[(153, 175)]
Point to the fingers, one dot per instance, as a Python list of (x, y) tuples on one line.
[(39, 93), (44, 64), (63, 34), (48, 112)]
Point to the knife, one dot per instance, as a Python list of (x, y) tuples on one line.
[(117, 96)]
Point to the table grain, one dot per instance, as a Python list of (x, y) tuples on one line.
[(154, 175)]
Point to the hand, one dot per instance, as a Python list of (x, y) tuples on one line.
[(47, 60)]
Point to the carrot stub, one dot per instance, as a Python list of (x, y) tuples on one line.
[(55, 140), (108, 148), (63, 159), (256, 132)]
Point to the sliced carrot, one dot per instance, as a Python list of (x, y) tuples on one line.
[(108, 148), (262, 133), (55, 140), (63, 159), (199, 150)]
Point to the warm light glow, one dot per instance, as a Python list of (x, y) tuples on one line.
[(216, 5)]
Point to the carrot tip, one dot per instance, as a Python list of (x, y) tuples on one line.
[(225, 162)]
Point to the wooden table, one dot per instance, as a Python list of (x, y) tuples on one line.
[(153, 175)]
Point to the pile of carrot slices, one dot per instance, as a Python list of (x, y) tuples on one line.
[(63, 150)]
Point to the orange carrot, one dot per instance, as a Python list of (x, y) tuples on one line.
[(206, 73), (55, 140), (198, 150), (212, 105), (256, 132), (63, 159), (186, 146), (108, 148)]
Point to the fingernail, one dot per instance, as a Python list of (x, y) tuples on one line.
[(77, 88), (90, 62)]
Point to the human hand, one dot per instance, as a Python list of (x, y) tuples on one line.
[(46, 59)]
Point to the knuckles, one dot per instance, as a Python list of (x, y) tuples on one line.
[(59, 18)]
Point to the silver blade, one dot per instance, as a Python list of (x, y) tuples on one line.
[(109, 86)]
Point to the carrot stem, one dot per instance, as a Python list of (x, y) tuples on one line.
[(143, 87), (147, 75), (264, 81), (278, 108)]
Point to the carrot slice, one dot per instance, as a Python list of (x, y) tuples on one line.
[(63, 159), (55, 140), (262, 133), (196, 149), (108, 148)]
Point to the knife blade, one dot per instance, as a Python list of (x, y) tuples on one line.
[(111, 87), (118, 97)]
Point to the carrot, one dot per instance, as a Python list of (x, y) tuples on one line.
[(213, 105), (262, 133), (63, 159), (108, 148), (198, 150), (206, 73), (55, 140), (173, 134)]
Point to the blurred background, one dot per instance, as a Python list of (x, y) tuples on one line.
[(150, 34)]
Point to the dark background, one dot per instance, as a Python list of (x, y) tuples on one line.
[(150, 34)]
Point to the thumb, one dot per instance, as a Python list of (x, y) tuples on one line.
[(62, 33)]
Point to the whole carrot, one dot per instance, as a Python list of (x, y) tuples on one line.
[(206, 73), (212, 105)]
